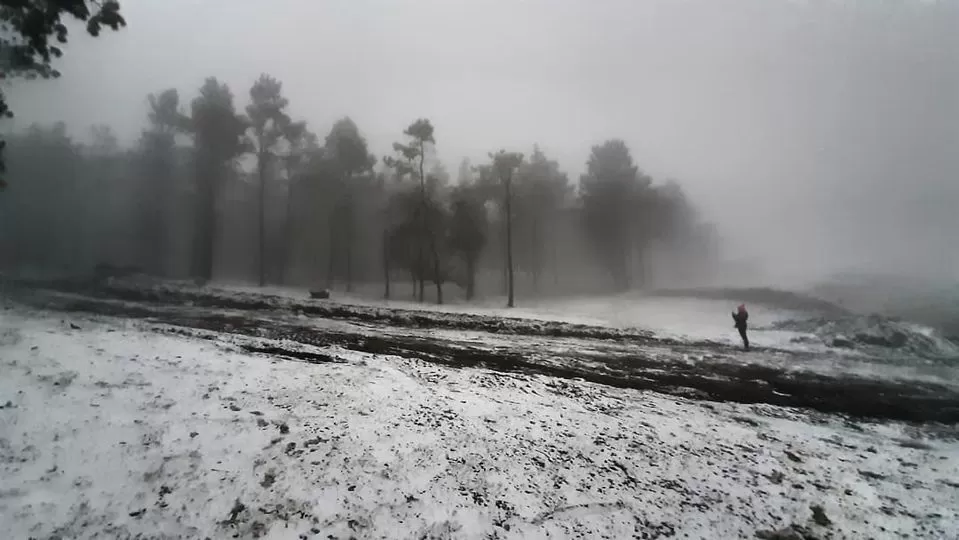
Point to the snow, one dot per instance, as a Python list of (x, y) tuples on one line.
[(119, 428), (779, 320), (677, 317)]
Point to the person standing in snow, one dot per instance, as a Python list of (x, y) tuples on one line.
[(740, 316)]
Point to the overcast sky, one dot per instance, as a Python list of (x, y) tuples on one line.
[(819, 135)]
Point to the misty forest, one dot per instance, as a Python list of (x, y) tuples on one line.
[(479, 269), (239, 190)]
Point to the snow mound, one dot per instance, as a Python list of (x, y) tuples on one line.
[(875, 334)]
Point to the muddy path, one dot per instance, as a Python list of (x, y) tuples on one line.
[(641, 367), (165, 294)]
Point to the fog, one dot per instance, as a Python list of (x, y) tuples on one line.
[(820, 136)]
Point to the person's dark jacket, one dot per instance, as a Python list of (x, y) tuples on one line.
[(740, 319)]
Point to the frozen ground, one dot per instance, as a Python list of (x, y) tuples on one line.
[(778, 319), (120, 428), (874, 382), (169, 410)]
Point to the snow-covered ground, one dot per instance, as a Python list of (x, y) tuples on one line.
[(782, 320), (118, 428), (685, 318)]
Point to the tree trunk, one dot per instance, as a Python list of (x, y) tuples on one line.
[(554, 259), (536, 250), (208, 244), (155, 209), (347, 218), (428, 234), (622, 267), (437, 274), (288, 244), (349, 265), (420, 265), (413, 281), (203, 229), (437, 277), (505, 274), (261, 165), (330, 257), (640, 280), (470, 277), (509, 242), (386, 265)]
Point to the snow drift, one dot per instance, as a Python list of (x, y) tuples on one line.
[(877, 335)]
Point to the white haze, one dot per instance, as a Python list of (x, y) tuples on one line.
[(819, 135)]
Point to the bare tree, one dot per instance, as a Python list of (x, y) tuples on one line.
[(506, 163)]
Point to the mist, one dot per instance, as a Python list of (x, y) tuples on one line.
[(479, 269), (817, 136)]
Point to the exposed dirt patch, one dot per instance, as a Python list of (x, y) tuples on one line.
[(306, 356)]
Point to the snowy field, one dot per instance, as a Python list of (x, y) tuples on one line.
[(675, 316), (681, 318), (119, 428)]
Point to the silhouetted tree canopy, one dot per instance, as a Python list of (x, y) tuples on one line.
[(207, 192), (269, 123), (614, 194)]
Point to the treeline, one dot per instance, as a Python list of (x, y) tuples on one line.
[(210, 191)]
